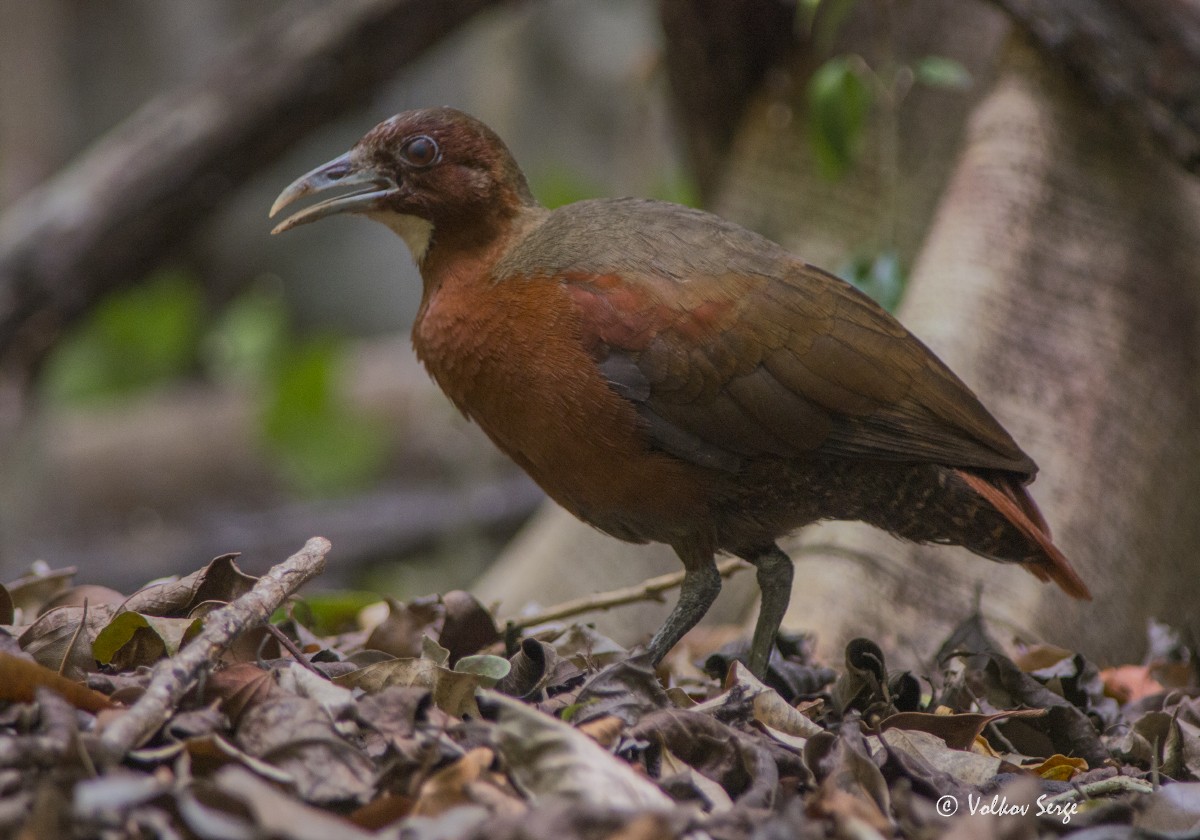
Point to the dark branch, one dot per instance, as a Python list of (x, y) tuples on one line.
[(111, 216)]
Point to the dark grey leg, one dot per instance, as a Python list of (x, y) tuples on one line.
[(701, 585), (775, 580)]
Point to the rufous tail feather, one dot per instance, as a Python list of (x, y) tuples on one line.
[(1014, 503)]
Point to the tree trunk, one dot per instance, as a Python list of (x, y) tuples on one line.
[(1060, 280)]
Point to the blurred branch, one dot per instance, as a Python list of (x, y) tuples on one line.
[(111, 215), (1142, 56), (716, 55)]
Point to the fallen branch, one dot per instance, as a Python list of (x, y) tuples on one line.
[(647, 590), (173, 677)]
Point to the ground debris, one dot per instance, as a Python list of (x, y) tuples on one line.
[(177, 712)]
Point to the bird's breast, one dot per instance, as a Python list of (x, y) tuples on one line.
[(509, 354)]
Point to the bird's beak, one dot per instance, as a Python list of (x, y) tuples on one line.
[(344, 171)]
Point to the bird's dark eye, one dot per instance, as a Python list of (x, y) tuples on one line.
[(420, 151)]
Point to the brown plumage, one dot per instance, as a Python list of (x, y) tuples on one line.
[(668, 376)]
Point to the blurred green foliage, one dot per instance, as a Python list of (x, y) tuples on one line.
[(556, 186), (943, 72), (132, 341), (155, 333), (880, 275), (321, 444), (561, 185), (327, 613), (839, 99), (842, 93)]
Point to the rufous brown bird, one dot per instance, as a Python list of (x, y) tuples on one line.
[(668, 376)]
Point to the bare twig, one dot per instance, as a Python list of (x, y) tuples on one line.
[(647, 590), (173, 677), (1103, 787)]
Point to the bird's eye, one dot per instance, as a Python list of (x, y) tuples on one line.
[(420, 151)]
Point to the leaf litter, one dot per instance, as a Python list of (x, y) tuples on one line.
[(428, 722)]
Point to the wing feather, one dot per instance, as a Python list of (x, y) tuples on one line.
[(732, 349)]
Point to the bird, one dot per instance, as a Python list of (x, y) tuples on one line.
[(669, 376)]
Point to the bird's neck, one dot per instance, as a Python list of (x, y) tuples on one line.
[(465, 253)]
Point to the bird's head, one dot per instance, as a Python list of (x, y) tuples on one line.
[(434, 172)]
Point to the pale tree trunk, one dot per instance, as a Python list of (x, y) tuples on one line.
[(1059, 279)]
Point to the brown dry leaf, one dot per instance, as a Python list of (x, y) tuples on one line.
[(1130, 683), (402, 633), (1178, 742), (1041, 657), (627, 689), (1171, 811), (56, 640), (253, 645), (605, 731), (77, 596), (31, 592), (210, 752), (20, 679), (739, 763), (959, 731), (239, 688), (453, 692), (277, 815), (966, 767), (546, 757), (770, 709), (586, 648), (1058, 768), (534, 667), (852, 788), (468, 781), (468, 627), (221, 580), (382, 811), (296, 735)]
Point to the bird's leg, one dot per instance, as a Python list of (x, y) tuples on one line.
[(701, 585), (775, 580)]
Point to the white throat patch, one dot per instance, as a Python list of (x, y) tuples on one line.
[(415, 231)]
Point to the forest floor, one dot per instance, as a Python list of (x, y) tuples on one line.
[(182, 712)]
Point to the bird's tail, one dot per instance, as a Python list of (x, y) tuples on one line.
[(1010, 498)]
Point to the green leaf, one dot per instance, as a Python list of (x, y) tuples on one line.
[(839, 99), (327, 613), (880, 276), (133, 340), (490, 669), (137, 639), (940, 71), (822, 20)]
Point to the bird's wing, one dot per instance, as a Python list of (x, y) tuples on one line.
[(785, 363)]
